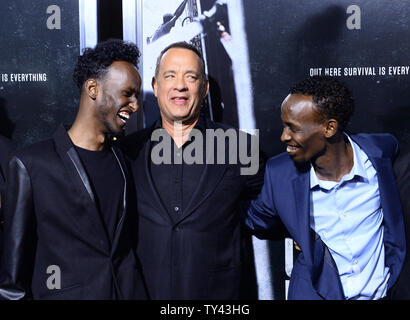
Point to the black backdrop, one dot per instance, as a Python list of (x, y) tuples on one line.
[(288, 37), (31, 110)]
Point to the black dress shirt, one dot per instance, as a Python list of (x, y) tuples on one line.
[(176, 182)]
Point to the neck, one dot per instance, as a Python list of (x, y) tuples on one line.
[(86, 134), (179, 131), (336, 161)]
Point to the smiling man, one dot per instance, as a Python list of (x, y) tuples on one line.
[(190, 232), (337, 196), (69, 212)]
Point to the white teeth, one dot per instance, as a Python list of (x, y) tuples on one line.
[(124, 115), (291, 149)]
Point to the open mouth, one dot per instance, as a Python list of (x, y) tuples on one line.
[(291, 148), (123, 115), (179, 100)]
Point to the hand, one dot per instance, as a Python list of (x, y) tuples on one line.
[(296, 246)]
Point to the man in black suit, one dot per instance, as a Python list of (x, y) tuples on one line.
[(189, 237), (6, 146), (401, 290), (68, 218)]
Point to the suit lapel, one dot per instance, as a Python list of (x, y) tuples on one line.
[(301, 192), (210, 177), (88, 219), (148, 178), (125, 174), (314, 250)]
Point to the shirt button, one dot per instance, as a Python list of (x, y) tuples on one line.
[(355, 262), (176, 209)]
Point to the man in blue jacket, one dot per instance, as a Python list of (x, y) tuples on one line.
[(337, 196)]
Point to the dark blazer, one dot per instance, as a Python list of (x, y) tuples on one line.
[(285, 195), (6, 147), (401, 290), (199, 256), (51, 219)]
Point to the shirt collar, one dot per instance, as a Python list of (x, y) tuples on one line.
[(358, 170)]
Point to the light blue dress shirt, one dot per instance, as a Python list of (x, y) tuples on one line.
[(348, 217)]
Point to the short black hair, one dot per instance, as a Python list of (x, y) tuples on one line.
[(94, 62), (183, 45), (332, 97)]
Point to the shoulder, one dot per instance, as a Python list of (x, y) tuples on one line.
[(385, 143), (230, 131), (40, 151), (280, 160), (5, 144), (131, 144), (6, 148), (218, 125), (282, 164)]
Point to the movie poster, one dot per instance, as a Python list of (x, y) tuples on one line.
[(39, 46)]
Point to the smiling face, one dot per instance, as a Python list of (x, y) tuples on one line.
[(117, 96), (180, 86), (304, 129)]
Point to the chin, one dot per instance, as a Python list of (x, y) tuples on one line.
[(299, 160), (118, 132)]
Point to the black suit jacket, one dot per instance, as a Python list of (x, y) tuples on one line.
[(199, 256), (6, 147), (401, 291), (51, 219)]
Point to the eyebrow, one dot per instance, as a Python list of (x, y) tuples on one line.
[(188, 71)]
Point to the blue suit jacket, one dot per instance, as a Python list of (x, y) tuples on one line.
[(286, 195)]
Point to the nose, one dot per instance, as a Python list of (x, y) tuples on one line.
[(180, 83), (285, 135)]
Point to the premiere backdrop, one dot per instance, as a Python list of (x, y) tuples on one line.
[(39, 44), (254, 51)]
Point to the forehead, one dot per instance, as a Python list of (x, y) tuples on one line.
[(122, 74), (122, 70), (181, 58), (299, 108)]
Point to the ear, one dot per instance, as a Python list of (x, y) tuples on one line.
[(154, 85), (331, 127), (206, 88), (91, 88)]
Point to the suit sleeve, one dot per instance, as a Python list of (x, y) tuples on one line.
[(254, 171), (261, 214), (19, 237)]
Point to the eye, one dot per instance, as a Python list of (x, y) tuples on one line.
[(128, 93), (290, 127), (293, 129)]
